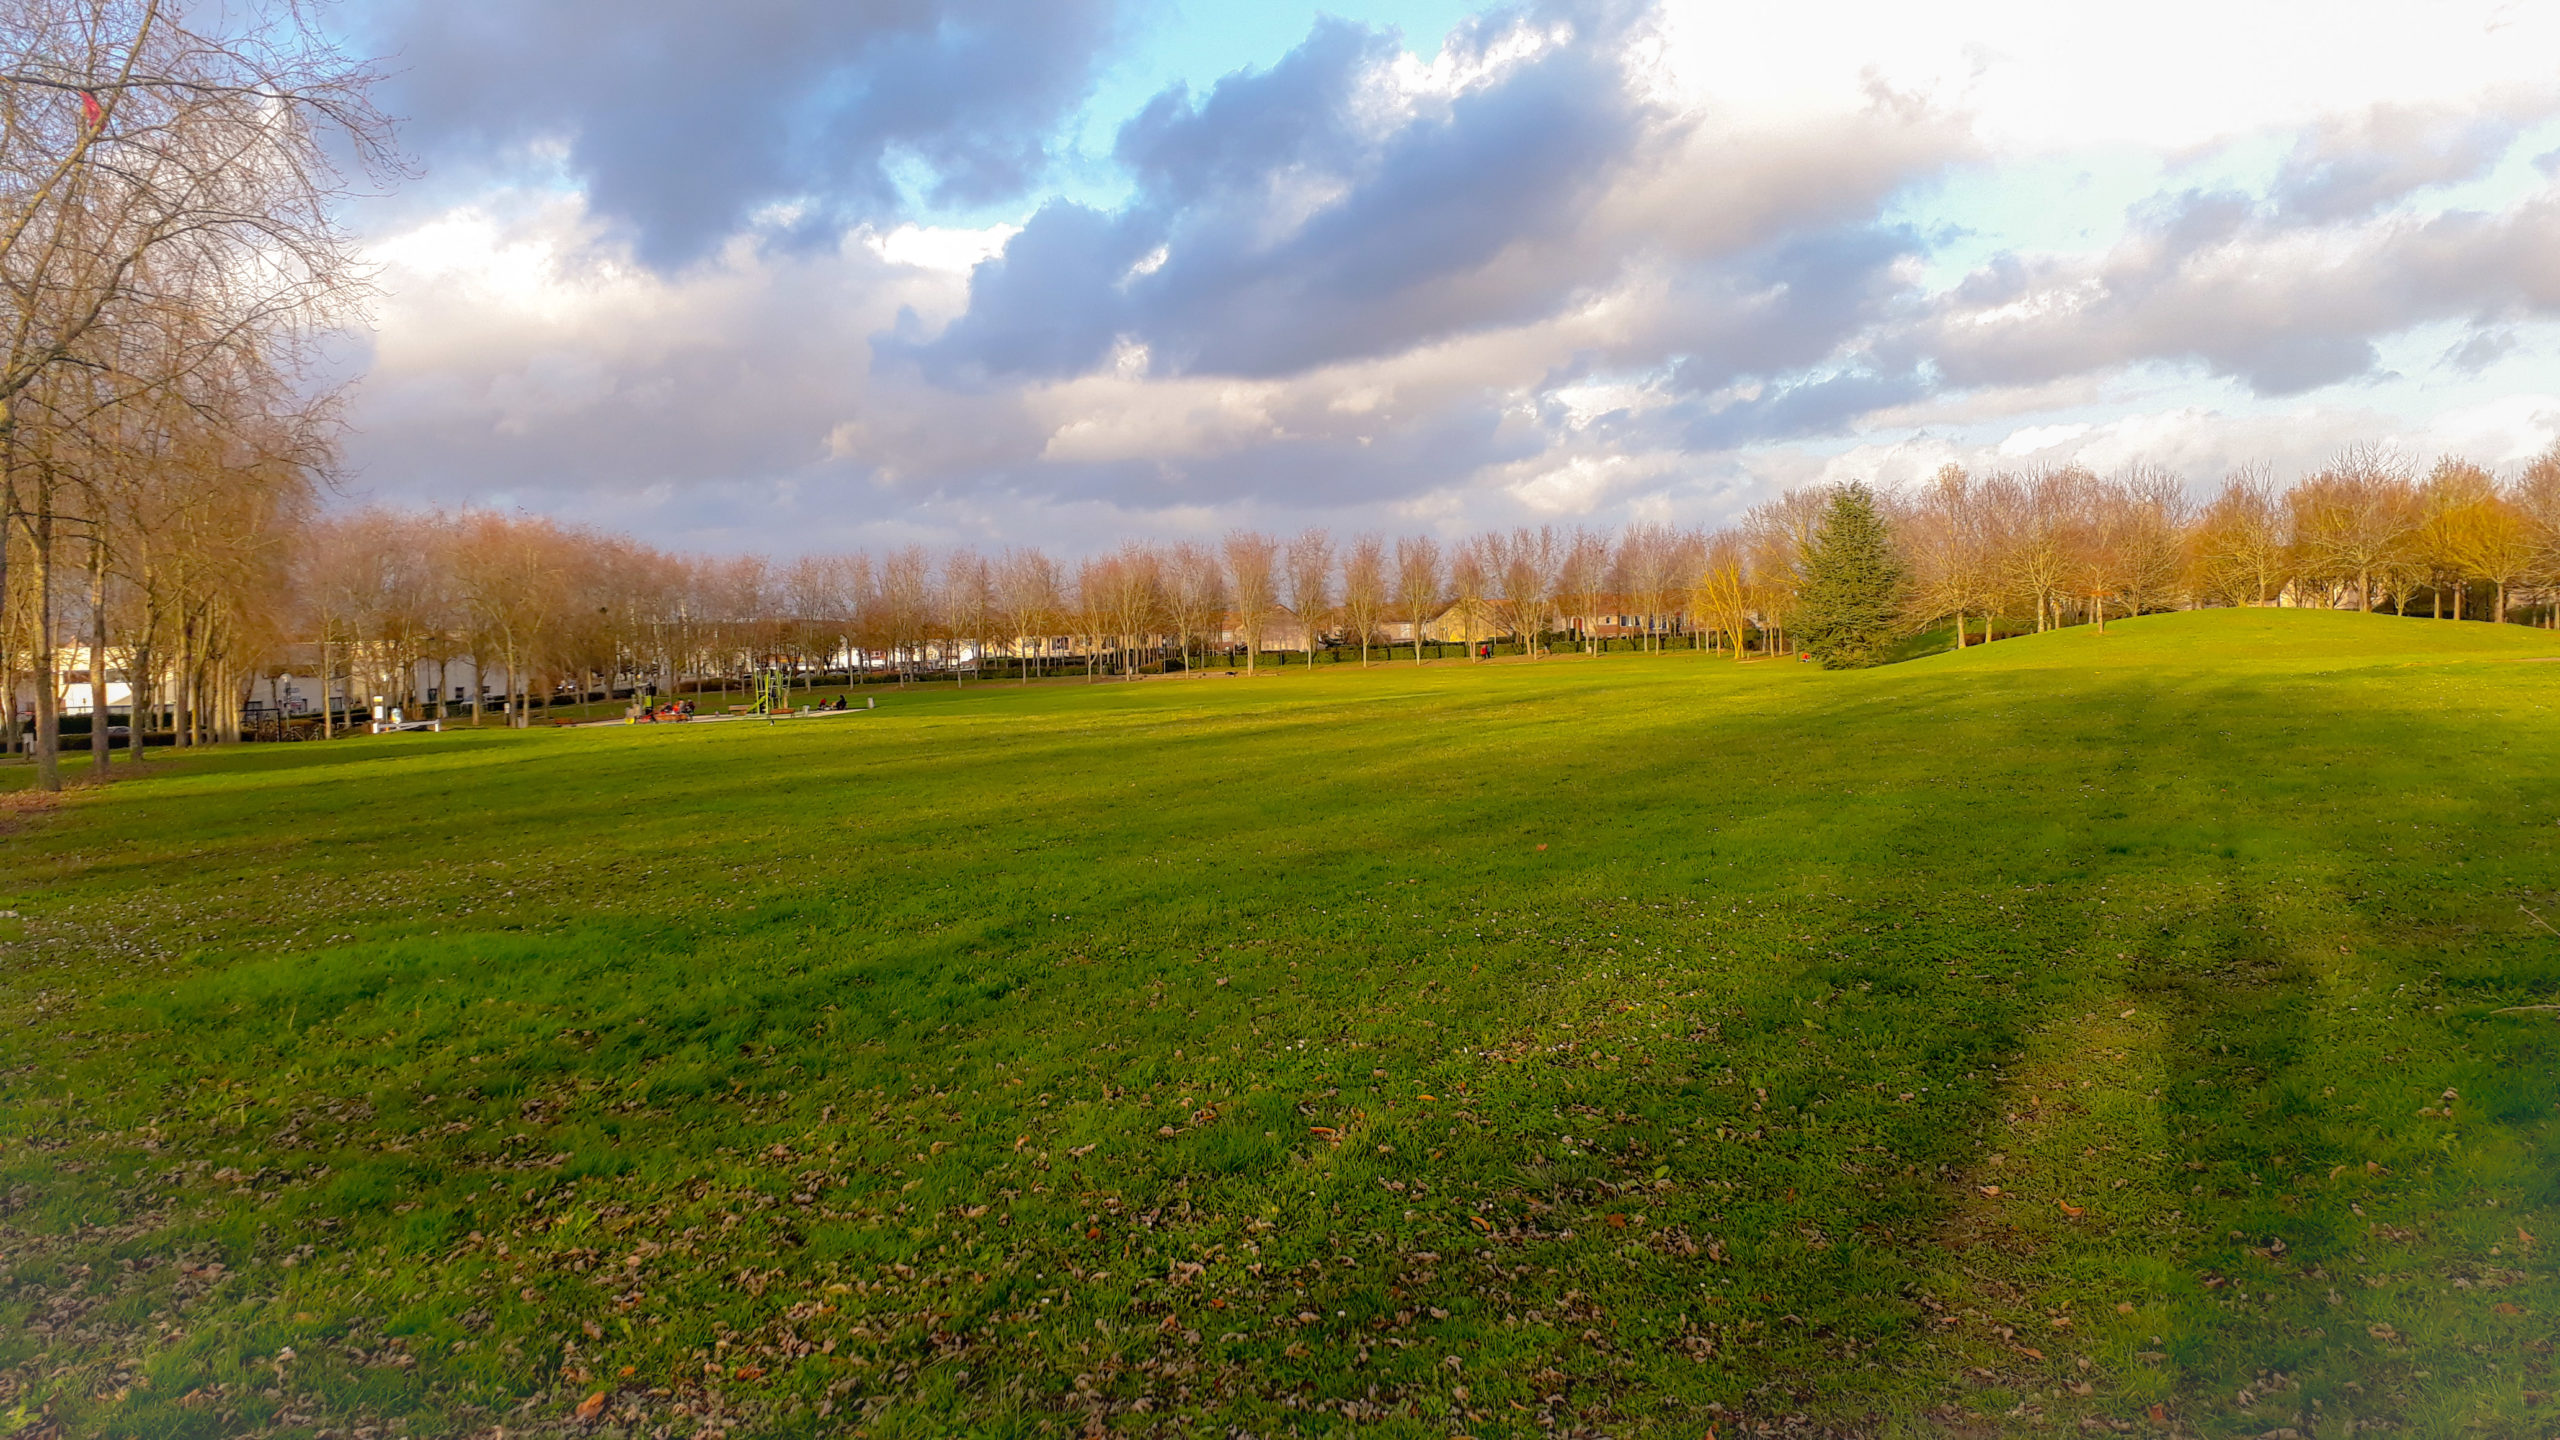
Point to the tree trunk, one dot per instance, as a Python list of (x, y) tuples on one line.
[(98, 738), (138, 708), (47, 667), (180, 717)]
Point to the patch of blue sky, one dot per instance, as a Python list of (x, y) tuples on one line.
[(2065, 202), (1196, 43), (1972, 214), (2084, 202), (1193, 43)]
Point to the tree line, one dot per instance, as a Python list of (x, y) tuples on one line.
[(385, 602), (170, 259)]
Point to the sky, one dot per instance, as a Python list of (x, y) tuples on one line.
[(820, 276)]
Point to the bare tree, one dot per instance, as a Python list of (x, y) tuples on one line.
[(2240, 548), (1947, 537), (1195, 595), (2449, 506), (906, 606), (1252, 585), (967, 596), (1647, 562), (1417, 584), (1309, 573), (2354, 518), (1364, 589), (1028, 602), (1721, 594), (1470, 584), (2041, 515), (2536, 498), (1776, 534), (1582, 578), (2499, 545), (1522, 569)]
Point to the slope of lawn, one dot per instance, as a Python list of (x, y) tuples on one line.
[(2086, 1032)]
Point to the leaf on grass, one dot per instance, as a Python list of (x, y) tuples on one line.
[(1993, 1191), (2071, 1210), (592, 1406)]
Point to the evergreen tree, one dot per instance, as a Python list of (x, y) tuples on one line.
[(1852, 592)]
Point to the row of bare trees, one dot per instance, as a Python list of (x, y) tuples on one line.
[(169, 258), (2366, 532), (235, 582), (388, 597)]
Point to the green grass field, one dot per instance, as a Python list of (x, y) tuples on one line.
[(2086, 1032)]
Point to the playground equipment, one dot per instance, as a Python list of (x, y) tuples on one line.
[(773, 694)]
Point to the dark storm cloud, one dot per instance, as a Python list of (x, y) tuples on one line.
[(683, 119), (1830, 405), (1279, 227), (1792, 304)]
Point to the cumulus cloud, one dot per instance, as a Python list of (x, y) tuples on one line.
[(2238, 286), (682, 120), (2350, 166), (1548, 273), (527, 357)]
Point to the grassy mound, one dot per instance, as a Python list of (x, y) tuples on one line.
[(2080, 1031)]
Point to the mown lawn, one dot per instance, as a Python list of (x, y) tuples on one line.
[(2086, 1032)]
